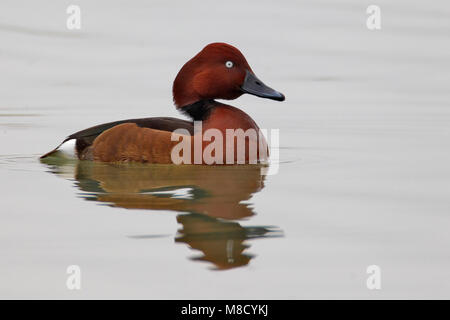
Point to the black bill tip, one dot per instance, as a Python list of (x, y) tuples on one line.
[(252, 85)]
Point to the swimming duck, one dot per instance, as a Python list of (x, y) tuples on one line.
[(219, 71)]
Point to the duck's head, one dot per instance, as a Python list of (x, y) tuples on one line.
[(219, 71)]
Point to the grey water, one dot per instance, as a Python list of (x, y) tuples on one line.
[(364, 175)]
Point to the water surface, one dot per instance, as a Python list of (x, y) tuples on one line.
[(364, 176)]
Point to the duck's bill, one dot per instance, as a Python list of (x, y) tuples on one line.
[(256, 87)]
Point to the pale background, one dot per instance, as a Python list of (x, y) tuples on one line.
[(364, 135)]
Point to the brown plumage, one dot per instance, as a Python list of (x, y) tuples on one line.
[(129, 142), (219, 71)]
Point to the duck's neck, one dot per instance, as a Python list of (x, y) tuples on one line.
[(218, 115), (200, 110)]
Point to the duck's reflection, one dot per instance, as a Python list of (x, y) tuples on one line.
[(208, 197)]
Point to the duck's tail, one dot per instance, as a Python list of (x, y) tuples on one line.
[(65, 148)]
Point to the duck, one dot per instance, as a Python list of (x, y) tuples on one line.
[(218, 71)]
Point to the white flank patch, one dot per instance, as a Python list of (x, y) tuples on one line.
[(68, 149)]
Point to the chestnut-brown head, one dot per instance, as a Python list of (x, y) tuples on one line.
[(219, 71)]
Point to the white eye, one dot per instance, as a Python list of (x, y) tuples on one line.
[(229, 64)]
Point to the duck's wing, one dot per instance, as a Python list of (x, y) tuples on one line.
[(86, 137)]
